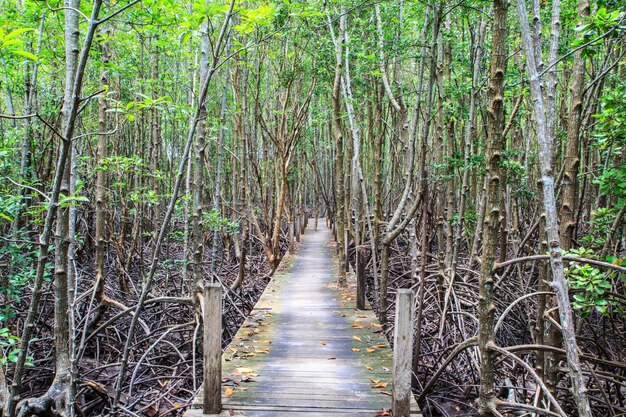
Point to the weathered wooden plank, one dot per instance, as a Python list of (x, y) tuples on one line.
[(305, 349)]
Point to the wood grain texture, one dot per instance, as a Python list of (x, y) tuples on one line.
[(212, 389), (403, 353), (305, 350)]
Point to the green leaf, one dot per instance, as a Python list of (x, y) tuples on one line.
[(25, 54), (16, 33), (5, 217)]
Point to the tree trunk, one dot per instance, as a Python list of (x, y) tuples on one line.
[(546, 140), (493, 191)]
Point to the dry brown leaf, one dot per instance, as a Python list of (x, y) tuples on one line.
[(370, 350), (380, 385), (355, 337), (356, 349), (228, 392), (386, 393), (369, 368), (323, 343)]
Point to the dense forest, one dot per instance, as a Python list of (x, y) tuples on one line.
[(473, 151)]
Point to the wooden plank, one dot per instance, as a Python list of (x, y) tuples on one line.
[(305, 349)]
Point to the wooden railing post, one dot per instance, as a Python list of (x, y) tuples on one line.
[(402, 348), (360, 278), (212, 393)]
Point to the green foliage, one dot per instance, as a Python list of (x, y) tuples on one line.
[(10, 351), (602, 221), (10, 44), (252, 19), (594, 289), (213, 220), (604, 22)]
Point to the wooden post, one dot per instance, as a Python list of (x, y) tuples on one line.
[(346, 246), (402, 353), (360, 278), (212, 394), (291, 244)]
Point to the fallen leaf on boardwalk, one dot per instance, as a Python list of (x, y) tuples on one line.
[(383, 413), (380, 346), (357, 325), (264, 342), (246, 355), (386, 393), (376, 325), (228, 392), (369, 368), (266, 350), (242, 389), (356, 349), (244, 370), (323, 343), (374, 381), (232, 349), (344, 315), (380, 385), (361, 317), (355, 337), (370, 350), (330, 359)]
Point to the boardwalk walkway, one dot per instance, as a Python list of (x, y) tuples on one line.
[(305, 350)]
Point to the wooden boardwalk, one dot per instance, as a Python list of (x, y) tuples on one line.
[(305, 350)]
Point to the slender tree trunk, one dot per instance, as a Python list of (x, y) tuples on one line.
[(493, 191), (339, 155), (571, 161), (546, 141), (217, 202)]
